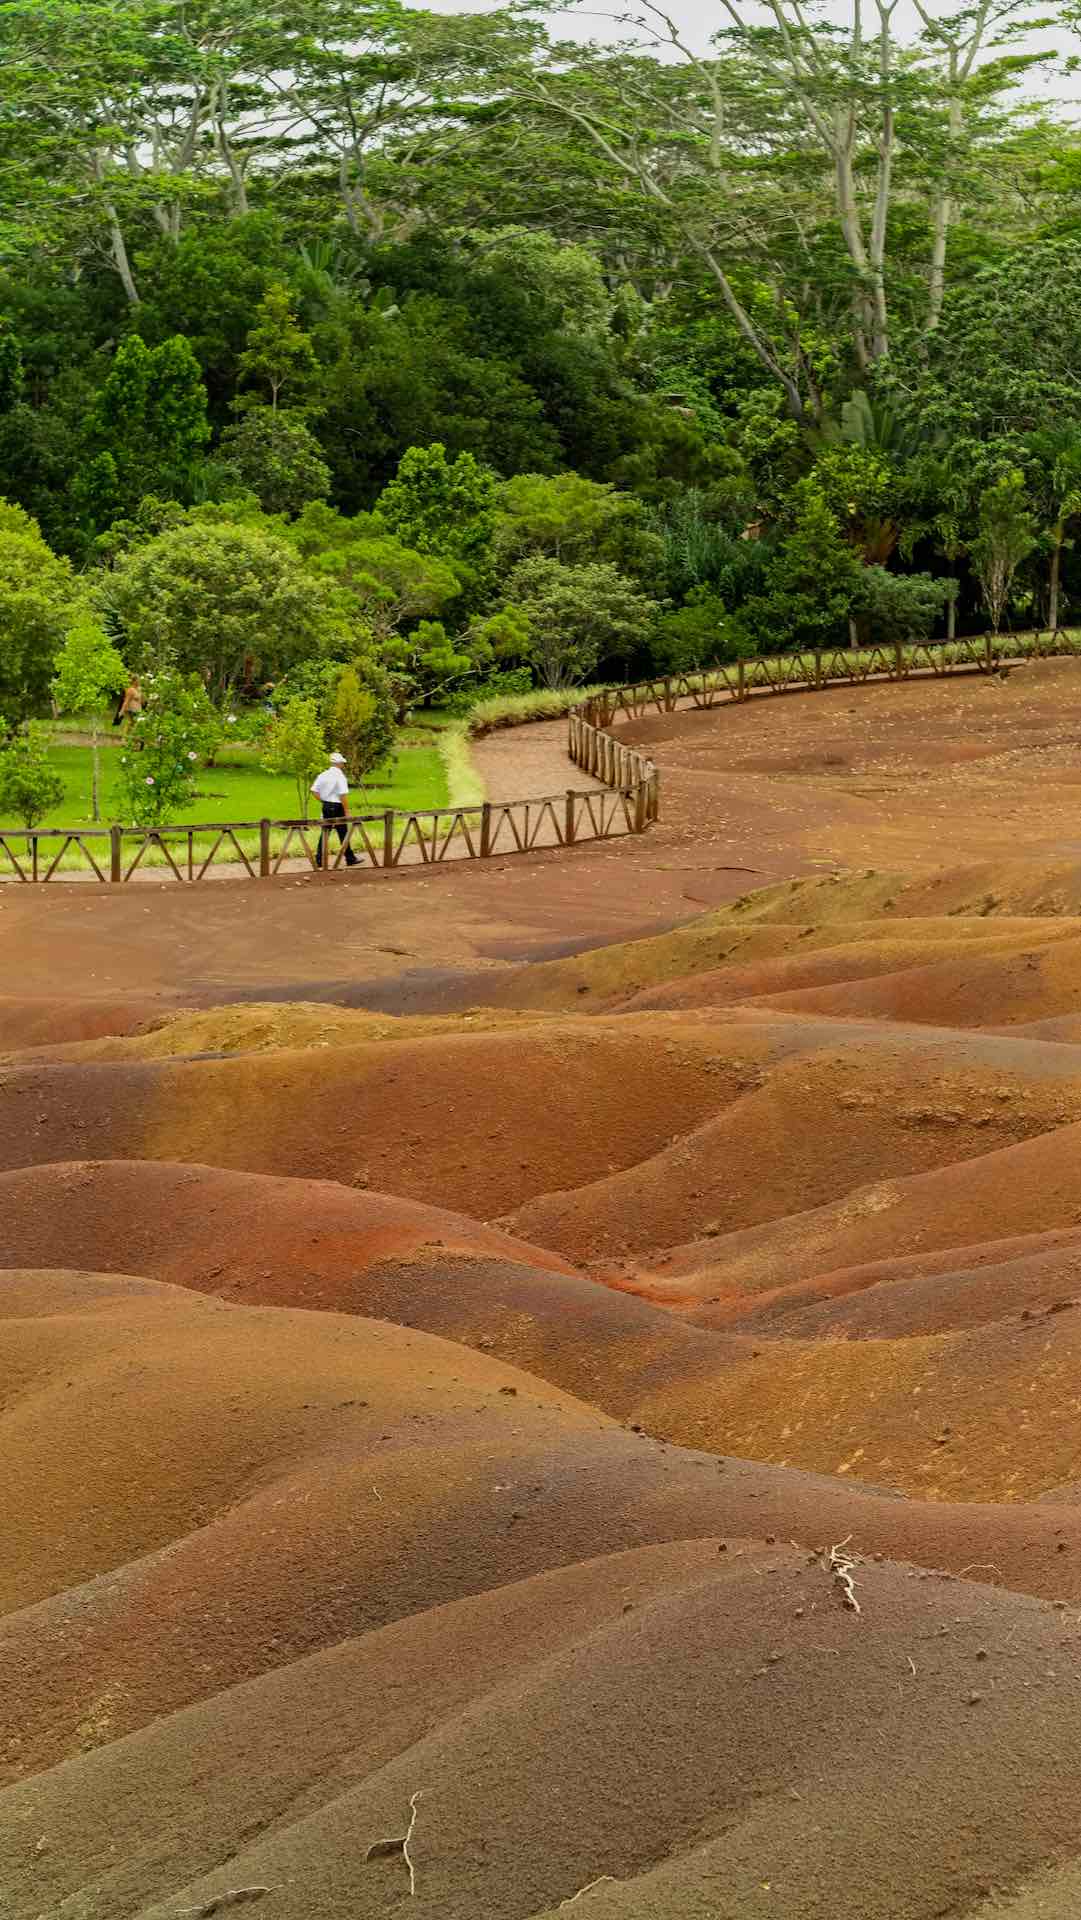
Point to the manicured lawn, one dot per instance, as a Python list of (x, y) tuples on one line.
[(237, 788)]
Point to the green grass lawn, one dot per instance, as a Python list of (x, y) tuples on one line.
[(237, 788)]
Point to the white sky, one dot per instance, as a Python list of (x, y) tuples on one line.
[(697, 20)]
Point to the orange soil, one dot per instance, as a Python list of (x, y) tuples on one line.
[(321, 1489)]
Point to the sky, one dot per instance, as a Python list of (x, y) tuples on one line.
[(697, 20)]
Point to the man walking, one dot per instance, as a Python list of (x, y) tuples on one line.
[(331, 789)]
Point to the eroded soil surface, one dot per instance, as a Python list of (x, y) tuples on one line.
[(569, 1364)]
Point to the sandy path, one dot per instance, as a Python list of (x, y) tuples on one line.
[(528, 763)]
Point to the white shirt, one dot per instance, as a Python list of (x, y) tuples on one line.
[(331, 785)]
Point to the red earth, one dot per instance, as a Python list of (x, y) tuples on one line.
[(573, 1360)]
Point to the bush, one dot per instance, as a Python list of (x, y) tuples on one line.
[(295, 744), (276, 457), (899, 606), (176, 729), (360, 717), (695, 635), (29, 786), (464, 700)]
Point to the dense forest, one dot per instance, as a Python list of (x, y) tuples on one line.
[(440, 349)]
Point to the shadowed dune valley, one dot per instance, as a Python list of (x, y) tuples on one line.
[(530, 1391)]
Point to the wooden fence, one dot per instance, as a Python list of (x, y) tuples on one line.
[(800, 673), (259, 849), (626, 802)]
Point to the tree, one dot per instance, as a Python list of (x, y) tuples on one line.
[(149, 427), (29, 786), (572, 518), (812, 583), (578, 617), (295, 744), (1006, 537), (39, 601), (388, 583), (177, 729), (229, 602), (441, 506), (427, 662), (88, 670), (276, 457), (360, 717), (1053, 474), (279, 354)]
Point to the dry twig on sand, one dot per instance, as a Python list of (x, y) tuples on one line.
[(842, 1566), (388, 1849), (236, 1897), (604, 1879)]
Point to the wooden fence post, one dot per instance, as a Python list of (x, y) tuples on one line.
[(33, 856), (741, 680), (388, 837), (116, 854), (898, 660), (818, 666), (486, 830), (640, 806), (568, 818), (264, 849), (669, 703)]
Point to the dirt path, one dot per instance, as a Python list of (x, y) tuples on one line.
[(528, 763)]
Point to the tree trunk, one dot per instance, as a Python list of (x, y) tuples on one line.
[(95, 777), (951, 617)]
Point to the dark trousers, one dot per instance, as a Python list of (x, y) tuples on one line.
[(333, 810)]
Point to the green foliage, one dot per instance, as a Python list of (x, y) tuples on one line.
[(277, 458), (388, 583), (429, 661), (148, 428), (295, 744), (578, 617), (88, 670), (279, 357), (360, 718), (573, 518), (177, 730), (694, 635), (899, 606), (11, 369), (88, 667), (30, 786), (811, 585), (441, 506), (861, 488), (1007, 535), (39, 602), (229, 602)]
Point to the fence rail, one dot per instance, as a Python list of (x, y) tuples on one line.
[(815, 668), (627, 800), (260, 849)]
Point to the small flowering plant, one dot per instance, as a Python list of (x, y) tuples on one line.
[(177, 731)]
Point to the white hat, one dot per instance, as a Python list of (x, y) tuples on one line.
[(337, 759)]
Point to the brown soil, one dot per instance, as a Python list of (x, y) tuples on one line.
[(447, 1321)]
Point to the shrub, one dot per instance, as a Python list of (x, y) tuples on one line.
[(29, 786), (177, 728)]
